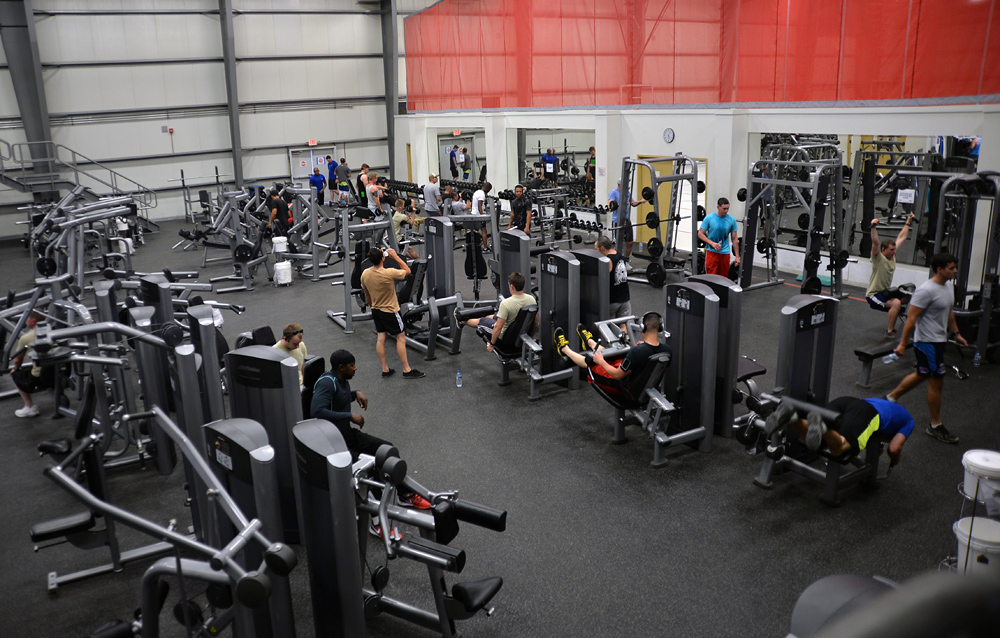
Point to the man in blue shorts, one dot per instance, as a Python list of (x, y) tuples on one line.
[(929, 321), (859, 420)]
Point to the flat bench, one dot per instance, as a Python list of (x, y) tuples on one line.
[(868, 354)]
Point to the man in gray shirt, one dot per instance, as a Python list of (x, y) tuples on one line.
[(929, 321), (343, 173), (432, 196)]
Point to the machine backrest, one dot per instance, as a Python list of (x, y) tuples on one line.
[(522, 323), (264, 336), (412, 288), (652, 376), (311, 372)]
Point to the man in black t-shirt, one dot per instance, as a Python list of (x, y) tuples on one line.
[(520, 211), (620, 302), (623, 377), (278, 222)]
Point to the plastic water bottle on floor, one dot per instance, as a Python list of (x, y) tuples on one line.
[(889, 358), (458, 379), (976, 359)]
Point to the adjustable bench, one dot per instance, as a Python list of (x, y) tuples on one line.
[(867, 355)]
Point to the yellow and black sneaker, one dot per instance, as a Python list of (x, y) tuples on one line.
[(559, 338), (585, 336)]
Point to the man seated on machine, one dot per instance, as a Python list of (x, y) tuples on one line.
[(615, 377), (508, 309), (520, 211), (332, 399), (401, 216), (278, 222), (880, 295), (848, 437), (291, 344), (29, 379)]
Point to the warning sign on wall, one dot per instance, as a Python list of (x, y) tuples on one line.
[(320, 161), (302, 163)]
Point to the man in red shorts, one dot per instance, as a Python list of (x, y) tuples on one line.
[(715, 231), (616, 377)]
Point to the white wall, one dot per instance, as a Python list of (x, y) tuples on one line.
[(725, 137)]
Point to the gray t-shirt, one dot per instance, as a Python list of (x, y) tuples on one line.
[(458, 208), (343, 173), (432, 195), (936, 301)]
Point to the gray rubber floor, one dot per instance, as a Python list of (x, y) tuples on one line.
[(598, 543)]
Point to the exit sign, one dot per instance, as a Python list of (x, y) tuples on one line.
[(312, 142), (457, 132)]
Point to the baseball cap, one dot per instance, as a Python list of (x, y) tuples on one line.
[(432, 176)]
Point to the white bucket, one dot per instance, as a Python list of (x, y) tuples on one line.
[(979, 464), (279, 244), (984, 548), (283, 272)]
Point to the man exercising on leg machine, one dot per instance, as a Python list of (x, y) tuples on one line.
[(615, 377)]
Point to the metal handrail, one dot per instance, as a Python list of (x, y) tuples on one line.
[(50, 153)]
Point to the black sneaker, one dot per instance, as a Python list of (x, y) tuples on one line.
[(414, 374), (389, 373), (941, 434), (585, 336), (559, 339)]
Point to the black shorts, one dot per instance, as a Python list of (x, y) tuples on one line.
[(27, 382), (454, 173), (389, 322), (627, 232), (856, 417)]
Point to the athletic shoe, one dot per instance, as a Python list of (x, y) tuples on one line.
[(814, 435), (559, 339), (782, 415), (413, 500), (26, 411), (941, 434), (585, 335), (389, 373), (414, 374), (376, 530), (889, 399)]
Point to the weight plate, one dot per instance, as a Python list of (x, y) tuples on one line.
[(812, 286), (654, 247), (701, 186), (803, 221), (656, 275), (741, 194), (46, 266), (652, 220), (648, 194), (242, 254)]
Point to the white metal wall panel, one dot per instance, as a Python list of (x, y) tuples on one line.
[(271, 80), (8, 102)]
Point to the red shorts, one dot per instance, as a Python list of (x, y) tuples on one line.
[(610, 385), (717, 263)]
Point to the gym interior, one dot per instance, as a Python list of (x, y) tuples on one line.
[(172, 479)]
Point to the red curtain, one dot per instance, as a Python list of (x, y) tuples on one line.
[(475, 54)]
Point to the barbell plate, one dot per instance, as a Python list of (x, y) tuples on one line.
[(652, 220), (812, 286), (654, 247), (701, 186), (656, 274), (804, 221), (648, 194), (741, 194)]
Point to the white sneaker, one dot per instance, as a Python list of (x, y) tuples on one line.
[(26, 411)]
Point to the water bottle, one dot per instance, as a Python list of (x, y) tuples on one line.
[(458, 379), (976, 359), (889, 358)]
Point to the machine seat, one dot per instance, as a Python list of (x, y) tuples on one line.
[(509, 346), (650, 378), (61, 527), (476, 595), (747, 368), (55, 447)]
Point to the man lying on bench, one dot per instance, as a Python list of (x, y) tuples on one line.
[(615, 377), (848, 435)]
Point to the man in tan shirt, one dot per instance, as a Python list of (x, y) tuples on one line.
[(379, 284), (291, 344)]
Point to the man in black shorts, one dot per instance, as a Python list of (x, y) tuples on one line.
[(278, 222), (520, 211), (379, 284), (29, 378), (617, 378), (620, 303), (859, 420)]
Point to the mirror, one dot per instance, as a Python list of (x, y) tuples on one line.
[(882, 178), (568, 164), (469, 163)]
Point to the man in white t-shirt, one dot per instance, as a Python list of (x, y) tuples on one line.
[(479, 205)]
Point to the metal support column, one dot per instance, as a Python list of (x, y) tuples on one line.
[(390, 71), (232, 95)]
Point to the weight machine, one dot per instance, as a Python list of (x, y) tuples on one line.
[(816, 186)]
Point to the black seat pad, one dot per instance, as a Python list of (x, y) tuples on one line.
[(59, 527), (476, 595), (56, 447), (748, 369)]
